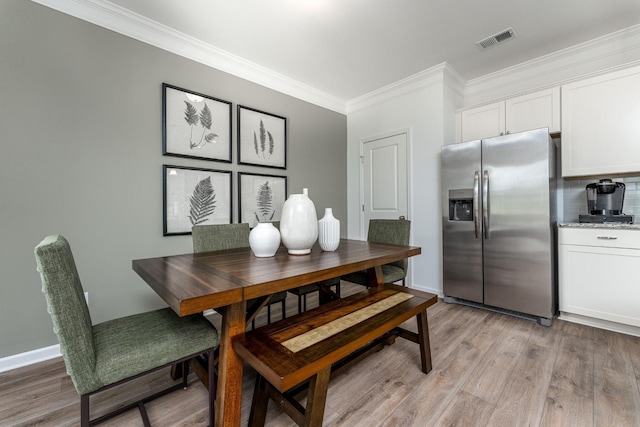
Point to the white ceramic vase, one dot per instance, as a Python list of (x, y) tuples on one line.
[(264, 240), (299, 224), (329, 231)]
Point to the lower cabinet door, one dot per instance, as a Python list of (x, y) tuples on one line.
[(600, 282)]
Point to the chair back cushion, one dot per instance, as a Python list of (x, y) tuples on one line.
[(217, 237), (395, 231), (68, 308)]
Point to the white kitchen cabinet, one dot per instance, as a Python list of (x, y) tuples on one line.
[(531, 111), (601, 124), (598, 273)]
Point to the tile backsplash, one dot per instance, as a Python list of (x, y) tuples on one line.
[(574, 197)]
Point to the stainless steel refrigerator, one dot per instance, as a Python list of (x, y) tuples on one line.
[(498, 224)]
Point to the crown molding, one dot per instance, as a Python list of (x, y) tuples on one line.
[(434, 75), (123, 21)]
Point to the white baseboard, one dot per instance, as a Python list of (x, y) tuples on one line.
[(599, 323), (30, 357)]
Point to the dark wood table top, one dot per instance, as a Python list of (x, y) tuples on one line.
[(192, 283), (224, 280)]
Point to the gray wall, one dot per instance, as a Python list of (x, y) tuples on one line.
[(80, 129)]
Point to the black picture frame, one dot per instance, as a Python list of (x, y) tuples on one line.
[(193, 196), (260, 197), (262, 138), (195, 125)]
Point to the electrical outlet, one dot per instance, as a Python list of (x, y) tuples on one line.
[(86, 297)]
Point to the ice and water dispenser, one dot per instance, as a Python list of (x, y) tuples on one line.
[(461, 205)]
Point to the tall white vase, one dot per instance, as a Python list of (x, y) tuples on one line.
[(264, 240), (329, 231), (299, 224)]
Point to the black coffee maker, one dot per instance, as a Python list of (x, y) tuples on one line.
[(604, 203)]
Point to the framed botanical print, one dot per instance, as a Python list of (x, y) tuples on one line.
[(195, 125), (260, 197), (262, 138), (194, 196)]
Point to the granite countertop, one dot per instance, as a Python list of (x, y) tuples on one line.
[(620, 226)]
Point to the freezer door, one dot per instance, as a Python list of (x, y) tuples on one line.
[(518, 236), (461, 221)]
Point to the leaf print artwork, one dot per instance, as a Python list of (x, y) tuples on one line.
[(203, 202), (206, 120), (264, 203), (195, 125), (263, 142)]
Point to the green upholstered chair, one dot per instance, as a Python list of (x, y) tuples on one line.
[(101, 356), (395, 231), (216, 237)]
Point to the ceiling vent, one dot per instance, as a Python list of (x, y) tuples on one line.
[(496, 39)]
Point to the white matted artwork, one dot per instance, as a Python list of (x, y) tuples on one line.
[(261, 197), (262, 138), (195, 125), (194, 196)]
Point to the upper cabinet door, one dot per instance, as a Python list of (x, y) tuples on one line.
[(601, 124), (533, 111), (526, 112), (482, 122)]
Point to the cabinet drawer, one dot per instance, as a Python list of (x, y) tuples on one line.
[(601, 237)]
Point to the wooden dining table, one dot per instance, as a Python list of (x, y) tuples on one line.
[(226, 280)]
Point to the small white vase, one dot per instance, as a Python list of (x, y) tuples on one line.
[(264, 240), (299, 224), (329, 231)]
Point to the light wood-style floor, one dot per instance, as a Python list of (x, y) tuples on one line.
[(489, 370)]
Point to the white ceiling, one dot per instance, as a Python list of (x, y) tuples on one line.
[(348, 48)]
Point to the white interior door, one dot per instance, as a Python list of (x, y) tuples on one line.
[(385, 179)]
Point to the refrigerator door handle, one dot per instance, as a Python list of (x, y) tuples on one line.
[(485, 203), (476, 203)]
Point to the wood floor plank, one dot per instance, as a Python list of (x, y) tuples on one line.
[(634, 350), (467, 410), (573, 370), (451, 326), (611, 351), (490, 376), (431, 396), (567, 409), (386, 394), (616, 399), (522, 400)]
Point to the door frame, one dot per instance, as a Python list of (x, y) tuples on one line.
[(363, 141)]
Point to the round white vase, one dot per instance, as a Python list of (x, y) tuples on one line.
[(299, 224), (329, 231), (264, 240)]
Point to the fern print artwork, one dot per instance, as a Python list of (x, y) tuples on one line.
[(264, 203), (195, 125), (262, 138), (194, 196), (203, 202), (261, 197), (263, 151)]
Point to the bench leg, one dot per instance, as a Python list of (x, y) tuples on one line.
[(258, 414), (316, 398), (423, 341)]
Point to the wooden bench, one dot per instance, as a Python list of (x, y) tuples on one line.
[(300, 351)]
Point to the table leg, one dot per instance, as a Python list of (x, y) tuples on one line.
[(229, 393), (375, 276)]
